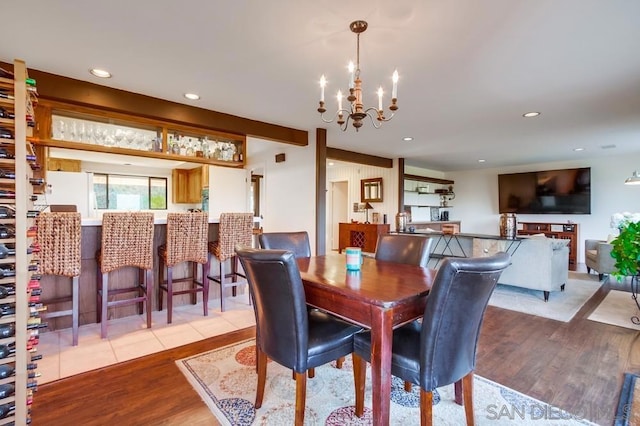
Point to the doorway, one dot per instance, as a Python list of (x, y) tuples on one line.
[(338, 204)]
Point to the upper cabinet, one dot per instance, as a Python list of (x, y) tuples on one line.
[(74, 127)]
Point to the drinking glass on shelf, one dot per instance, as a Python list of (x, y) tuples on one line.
[(73, 131), (59, 129)]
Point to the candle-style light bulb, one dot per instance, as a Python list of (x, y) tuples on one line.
[(380, 92), (394, 92), (323, 83), (339, 100), (352, 70)]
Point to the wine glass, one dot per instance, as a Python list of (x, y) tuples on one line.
[(60, 128)]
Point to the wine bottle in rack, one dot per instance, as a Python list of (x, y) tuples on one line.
[(7, 330), (7, 272), (7, 389), (7, 251), (6, 114), (7, 231), (6, 194), (7, 291), (7, 409), (7, 350), (6, 310), (7, 174), (7, 212), (5, 133), (4, 153), (7, 370)]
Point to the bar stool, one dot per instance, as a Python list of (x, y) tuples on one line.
[(58, 236), (127, 240), (187, 235), (235, 229)]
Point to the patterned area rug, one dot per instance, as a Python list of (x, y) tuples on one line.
[(562, 305), (226, 380), (617, 308), (628, 412)]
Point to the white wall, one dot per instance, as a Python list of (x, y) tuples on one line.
[(476, 203), (353, 173), (227, 191), (288, 187)]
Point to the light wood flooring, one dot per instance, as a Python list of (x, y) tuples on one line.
[(576, 366)]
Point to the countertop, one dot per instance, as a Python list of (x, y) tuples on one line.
[(158, 220)]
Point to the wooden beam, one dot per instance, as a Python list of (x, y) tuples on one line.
[(429, 179), (321, 191), (401, 177), (356, 157), (65, 89)]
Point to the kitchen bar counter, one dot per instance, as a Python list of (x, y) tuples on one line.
[(91, 239), (158, 220)]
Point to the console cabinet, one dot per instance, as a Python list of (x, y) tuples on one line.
[(568, 231), (363, 235)]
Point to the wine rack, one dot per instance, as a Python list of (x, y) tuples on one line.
[(19, 322)]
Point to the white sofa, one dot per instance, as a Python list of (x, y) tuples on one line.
[(537, 262)]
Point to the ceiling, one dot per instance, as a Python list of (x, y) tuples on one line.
[(468, 69)]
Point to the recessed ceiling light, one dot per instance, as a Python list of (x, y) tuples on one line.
[(531, 114), (407, 138), (481, 161), (578, 149), (331, 163), (100, 73), (192, 96)]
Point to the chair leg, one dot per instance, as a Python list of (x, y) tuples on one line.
[(222, 304), (149, 294), (205, 287), (588, 270), (234, 277), (105, 301), (339, 362), (141, 289), (407, 386), (301, 396), (160, 281), (311, 373), (169, 293), (99, 298), (194, 286), (467, 395), (426, 408), (75, 309), (359, 377), (261, 364)]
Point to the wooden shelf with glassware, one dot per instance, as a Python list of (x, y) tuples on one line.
[(76, 127)]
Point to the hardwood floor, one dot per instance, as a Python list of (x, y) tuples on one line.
[(576, 366)]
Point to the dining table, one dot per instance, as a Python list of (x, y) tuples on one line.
[(380, 296)]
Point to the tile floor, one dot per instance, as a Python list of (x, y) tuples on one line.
[(129, 338)]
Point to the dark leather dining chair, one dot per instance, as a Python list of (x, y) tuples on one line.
[(286, 331), (442, 349), (402, 248), (296, 242)]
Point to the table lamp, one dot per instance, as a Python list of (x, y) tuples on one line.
[(367, 206)]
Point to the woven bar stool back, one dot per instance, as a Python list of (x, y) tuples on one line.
[(235, 229), (58, 236), (127, 240), (187, 236)]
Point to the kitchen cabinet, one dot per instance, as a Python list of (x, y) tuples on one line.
[(187, 184)]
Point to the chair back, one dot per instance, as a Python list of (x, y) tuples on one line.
[(296, 242), (453, 317), (279, 304), (235, 229), (127, 240), (402, 248), (59, 238), (187, 235)]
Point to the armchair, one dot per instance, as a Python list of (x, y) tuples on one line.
[(597, 256)]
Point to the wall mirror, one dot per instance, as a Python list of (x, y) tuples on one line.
[(371, 190)]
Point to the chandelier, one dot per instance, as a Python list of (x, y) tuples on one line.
[(355, 111)]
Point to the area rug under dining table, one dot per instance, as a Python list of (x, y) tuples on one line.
[(226, 380)]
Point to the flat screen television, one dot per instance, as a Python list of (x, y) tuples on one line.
[(565, 191)]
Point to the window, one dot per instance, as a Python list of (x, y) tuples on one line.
[(121, 192)]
